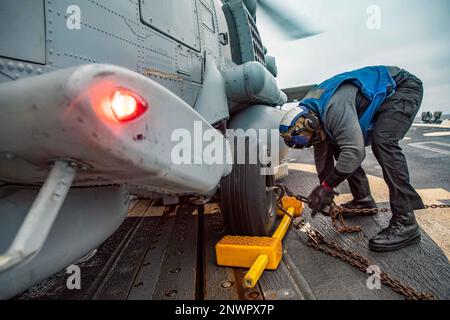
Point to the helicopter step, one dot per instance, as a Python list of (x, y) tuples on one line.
[(31, 236)]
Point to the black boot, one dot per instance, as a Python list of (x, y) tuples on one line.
[(364, 203), (403, 230)]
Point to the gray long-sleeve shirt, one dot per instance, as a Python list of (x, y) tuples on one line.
[(343, 123)]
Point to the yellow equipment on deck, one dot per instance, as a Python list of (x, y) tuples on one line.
[(258, 253)]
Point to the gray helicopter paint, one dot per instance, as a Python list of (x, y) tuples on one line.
[(11, 69), (213, 94), (77, 37), (271, 65), (86, 32), (263, 117), (3, 78), (298, 93), (226, 59), (210, 36), (111, 39), (246, 42), (34, 230), (251, 83), (251, 6), (208, 19), (28, 26), (61, 118), (118, 38), (184, 30), (93, 214)]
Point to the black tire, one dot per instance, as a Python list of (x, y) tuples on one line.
[(248, 209)]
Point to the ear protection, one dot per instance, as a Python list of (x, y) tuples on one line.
[(312, 122), (294, 137)]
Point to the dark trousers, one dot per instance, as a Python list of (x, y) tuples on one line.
[(394, 119)]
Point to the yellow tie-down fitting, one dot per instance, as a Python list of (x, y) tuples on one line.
[(258, 253)]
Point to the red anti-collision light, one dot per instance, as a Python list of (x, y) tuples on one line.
[(126, 105)]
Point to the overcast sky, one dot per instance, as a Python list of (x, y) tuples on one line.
[(414, 35)]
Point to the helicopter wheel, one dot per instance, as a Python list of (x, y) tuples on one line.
[(248, 203)]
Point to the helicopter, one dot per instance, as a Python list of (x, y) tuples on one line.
[(90, 92)]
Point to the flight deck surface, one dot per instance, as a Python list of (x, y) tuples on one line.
[(168, 252)]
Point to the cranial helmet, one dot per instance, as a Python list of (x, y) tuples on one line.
[(300, 128)]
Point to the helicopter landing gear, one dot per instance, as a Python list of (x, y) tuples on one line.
[(248, 199)]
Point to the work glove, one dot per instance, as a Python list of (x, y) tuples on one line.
[(320, 198)]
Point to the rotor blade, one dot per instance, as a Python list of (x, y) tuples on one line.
[(288, 23), (297, 93)]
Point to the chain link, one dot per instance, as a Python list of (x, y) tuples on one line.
[(436, 206), (337, 214), (317, 241), (362, 263)]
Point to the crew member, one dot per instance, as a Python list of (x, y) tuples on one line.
[(371, 106)]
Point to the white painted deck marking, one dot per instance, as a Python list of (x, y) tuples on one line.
[(437, 134), (155, 211), (424, 146), (140, 209), (310, 168), (444, 124)]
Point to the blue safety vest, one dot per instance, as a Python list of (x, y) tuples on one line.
[(375, 83)]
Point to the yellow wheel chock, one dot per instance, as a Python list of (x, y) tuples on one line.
[(257, 253)]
